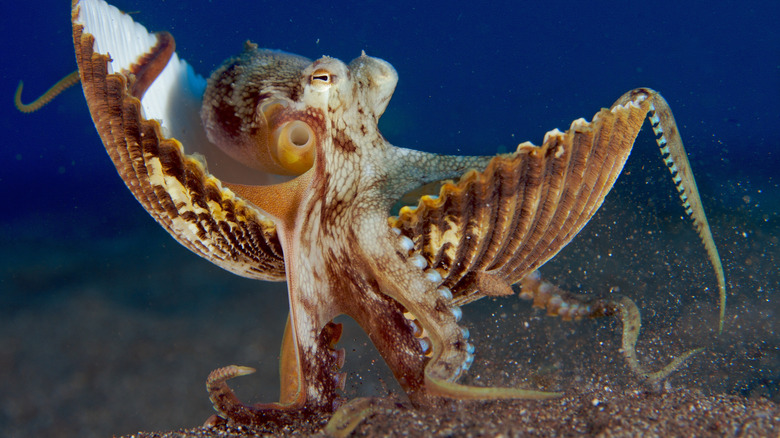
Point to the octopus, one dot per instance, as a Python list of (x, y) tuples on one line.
[(309, 192)]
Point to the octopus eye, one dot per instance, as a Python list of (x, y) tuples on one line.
[(321, 77)]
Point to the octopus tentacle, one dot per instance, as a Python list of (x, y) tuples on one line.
[(290, 378), (398, 338), (570, 306), (410, 169), (231, 409), (676, 160), (291, 405), (222, 397), (632, 322), (422, 293), (55, 90), (349, 416), (558, 302), (433, 308)]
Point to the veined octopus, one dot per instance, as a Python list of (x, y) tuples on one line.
[(325, 226)]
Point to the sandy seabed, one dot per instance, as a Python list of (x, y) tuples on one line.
[(112, 332)]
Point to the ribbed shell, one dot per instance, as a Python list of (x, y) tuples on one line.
[(175, 188), (524, 207)]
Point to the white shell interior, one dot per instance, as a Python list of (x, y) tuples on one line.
[(174, 98)]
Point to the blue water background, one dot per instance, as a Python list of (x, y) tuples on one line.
[(475, 78)]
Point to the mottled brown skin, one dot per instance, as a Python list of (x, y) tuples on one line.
[(328, 231)]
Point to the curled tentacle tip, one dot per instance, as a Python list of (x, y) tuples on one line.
[(226, 373), (242, 370), (62, 85), (668, 369)]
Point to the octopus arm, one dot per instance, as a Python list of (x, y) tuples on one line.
[(494, 226), (144, 129), (415, 173)]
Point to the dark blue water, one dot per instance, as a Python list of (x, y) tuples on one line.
[(474, 78)]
